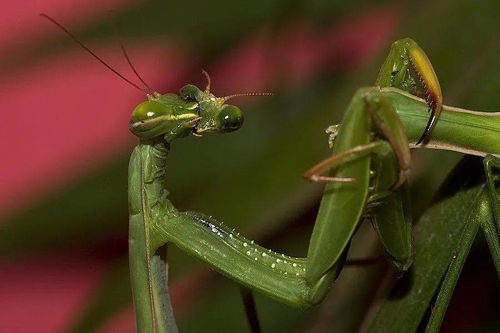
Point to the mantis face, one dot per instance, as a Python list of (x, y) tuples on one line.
[(215, 115), (191, 112)]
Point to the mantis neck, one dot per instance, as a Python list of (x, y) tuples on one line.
[(154, 162), (148, 265)]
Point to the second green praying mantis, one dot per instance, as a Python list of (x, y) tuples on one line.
[(367, 178)]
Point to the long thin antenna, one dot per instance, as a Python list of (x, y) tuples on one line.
[(249, 94), (125, 54), (91, 52)]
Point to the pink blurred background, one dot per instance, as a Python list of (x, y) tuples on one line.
[(40, 156)]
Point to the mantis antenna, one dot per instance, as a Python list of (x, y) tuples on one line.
[(209, 83), (125, 54), (60, 26), (249, 94)]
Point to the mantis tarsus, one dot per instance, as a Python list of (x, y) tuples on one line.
[(368, 171)]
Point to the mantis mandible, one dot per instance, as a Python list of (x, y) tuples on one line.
[(369, 166)]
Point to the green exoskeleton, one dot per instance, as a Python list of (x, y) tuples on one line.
[(368, 169)]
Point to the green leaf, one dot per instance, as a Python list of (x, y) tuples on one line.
[(437, 238)]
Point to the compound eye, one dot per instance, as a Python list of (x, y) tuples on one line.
[(144, 121), (230, 118), (189, 92), (147, 110)]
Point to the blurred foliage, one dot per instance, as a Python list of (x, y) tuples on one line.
[(252, 181), (437, 238)]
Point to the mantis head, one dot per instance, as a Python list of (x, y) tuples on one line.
[(170, 116), (214, 114), (193, 111)]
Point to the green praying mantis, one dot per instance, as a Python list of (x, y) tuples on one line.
[(367, 180)]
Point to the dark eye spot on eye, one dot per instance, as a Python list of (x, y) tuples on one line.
[(142, 121)]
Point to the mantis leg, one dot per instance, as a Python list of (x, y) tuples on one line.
[(250, 310), (389, 126), (390, 215), (314, 173), (391, 162)]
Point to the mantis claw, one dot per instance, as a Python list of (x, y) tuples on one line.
[(435, 111)]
